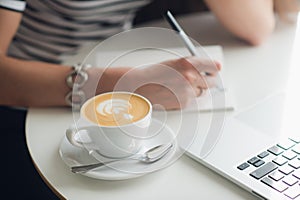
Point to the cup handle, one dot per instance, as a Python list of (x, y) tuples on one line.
[(71, 133)]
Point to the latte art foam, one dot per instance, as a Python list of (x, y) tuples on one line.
[(116, 109)]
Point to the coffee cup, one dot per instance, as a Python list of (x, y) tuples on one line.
[(114, 124)]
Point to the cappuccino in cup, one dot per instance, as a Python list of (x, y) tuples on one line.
[(116, 124), (115, 109)]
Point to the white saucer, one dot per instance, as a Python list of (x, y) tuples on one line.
[(73, 156)]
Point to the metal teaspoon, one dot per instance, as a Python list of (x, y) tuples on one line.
[(151, 155)]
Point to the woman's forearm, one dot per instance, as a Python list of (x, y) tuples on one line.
[(27, 83), (31, 83), (251, 20)]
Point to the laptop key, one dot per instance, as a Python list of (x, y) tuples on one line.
[(293, 192), (279, 186), (276, 175), (296, 149), (280, 160), (264, 170), (290, 180), (297, 140), (263, 154), (286, 169), (295, 163), (289, 155), (297, 174), (286, 144), (243, 166), (275, 150), (259, 163), (253, 160)]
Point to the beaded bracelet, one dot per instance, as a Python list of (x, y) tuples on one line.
[(75, 80)]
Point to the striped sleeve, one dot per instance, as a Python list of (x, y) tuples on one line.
[(14, 5), (57, 29)]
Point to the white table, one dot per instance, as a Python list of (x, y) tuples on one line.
[(246, 67)]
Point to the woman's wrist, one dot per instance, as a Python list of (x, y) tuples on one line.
[(76, 81), (85, 82)]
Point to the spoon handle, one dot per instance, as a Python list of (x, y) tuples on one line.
[(85, 168), (152, 155)]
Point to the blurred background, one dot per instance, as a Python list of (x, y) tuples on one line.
[(156, 8)]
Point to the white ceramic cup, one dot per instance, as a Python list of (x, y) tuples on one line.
[(114, 140)]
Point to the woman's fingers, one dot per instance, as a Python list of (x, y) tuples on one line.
[(200, 73), (196, 70), (196, 80), (204, 65)]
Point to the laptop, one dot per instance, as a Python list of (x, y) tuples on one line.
[(258, 149)]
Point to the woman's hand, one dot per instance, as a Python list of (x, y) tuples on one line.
[(173, 84), (170, 84)]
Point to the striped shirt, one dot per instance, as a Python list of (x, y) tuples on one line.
[(55, 28)]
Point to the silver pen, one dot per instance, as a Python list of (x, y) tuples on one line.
[(188, 43)]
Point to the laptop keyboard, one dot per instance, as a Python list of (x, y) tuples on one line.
[(278, 167)]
